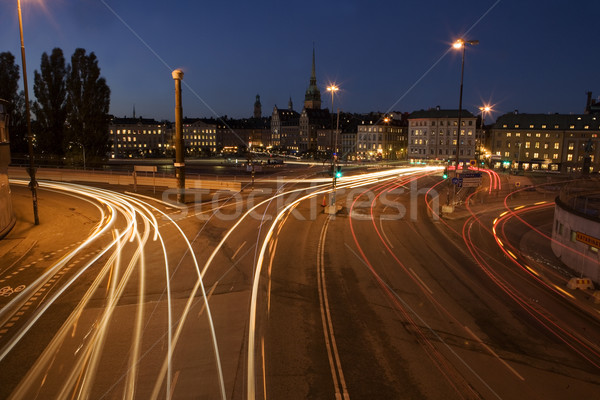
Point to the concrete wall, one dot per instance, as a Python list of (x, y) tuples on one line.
[(579, 256), (65, 175)]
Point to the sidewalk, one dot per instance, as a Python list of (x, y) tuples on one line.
[(62, 225)]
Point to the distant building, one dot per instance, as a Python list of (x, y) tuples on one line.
[(257, 108), (312, 97), (381, 138), (432, 135), (234, 135), (546, 141), (137, 137), (313, 123), (302, 132), (285, 129), (199, 137)]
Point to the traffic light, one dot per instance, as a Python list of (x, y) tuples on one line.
[(338, 171), (445, 174)]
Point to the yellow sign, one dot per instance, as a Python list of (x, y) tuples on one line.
[(589, 240)]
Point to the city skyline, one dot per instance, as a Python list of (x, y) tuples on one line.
[(385, 57)]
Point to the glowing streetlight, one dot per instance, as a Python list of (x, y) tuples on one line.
[(32, 182), (484, 109), (334, 171), (333, 88), (461, 44)]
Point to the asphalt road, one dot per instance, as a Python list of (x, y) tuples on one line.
[(262, 295)]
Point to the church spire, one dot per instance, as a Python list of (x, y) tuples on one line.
[(312, 98)]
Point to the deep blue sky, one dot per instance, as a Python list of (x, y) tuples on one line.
[(535, 56)]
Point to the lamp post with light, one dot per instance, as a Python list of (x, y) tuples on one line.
[(461, 43), (484, 109), (32, 183), (334, 88)]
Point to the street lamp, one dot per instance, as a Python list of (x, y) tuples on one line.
[(179, 163), (484, 109), (334, 88), (32, 182), (461, 44)]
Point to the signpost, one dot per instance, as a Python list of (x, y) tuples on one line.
[(144, 168), (467, 180)]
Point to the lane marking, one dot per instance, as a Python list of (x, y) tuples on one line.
[(330, 343), (420, 280), (492, 352), (238, 250)]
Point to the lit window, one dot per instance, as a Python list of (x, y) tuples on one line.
[(569, 157), (508, 134)]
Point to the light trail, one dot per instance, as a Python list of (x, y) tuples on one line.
[(80, 380)]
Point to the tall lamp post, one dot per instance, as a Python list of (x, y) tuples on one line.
[(179, 163), (461, 44), (484, 109), (31, 170), (333, 88)]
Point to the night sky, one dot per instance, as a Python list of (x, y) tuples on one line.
[(534, 56)]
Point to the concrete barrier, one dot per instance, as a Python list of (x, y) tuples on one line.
[(65, 175), (580, 283)]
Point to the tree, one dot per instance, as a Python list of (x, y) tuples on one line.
[(9, 90), (50, 107), (88, 101)]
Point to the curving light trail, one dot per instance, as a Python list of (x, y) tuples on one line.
[(140, 229)]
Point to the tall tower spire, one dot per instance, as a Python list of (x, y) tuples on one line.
[(257, 108), (312, 98)]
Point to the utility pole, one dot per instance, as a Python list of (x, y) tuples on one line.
[(179, 162), (32, 183)]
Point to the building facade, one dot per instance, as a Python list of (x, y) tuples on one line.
[(383, 139), (138, 138), (199, 137), (432, 135), (314, 124), (557, 142), (285, 129)]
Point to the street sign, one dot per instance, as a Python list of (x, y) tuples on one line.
[(454, 181), (470, 179)]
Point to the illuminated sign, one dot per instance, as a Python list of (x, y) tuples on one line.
[(589, 240)]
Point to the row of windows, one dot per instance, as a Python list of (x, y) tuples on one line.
[(420, 132), (198, 137), (199, 131), (441, 152), (536, 145), (454, 123), (139, 132), (544, 126)]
